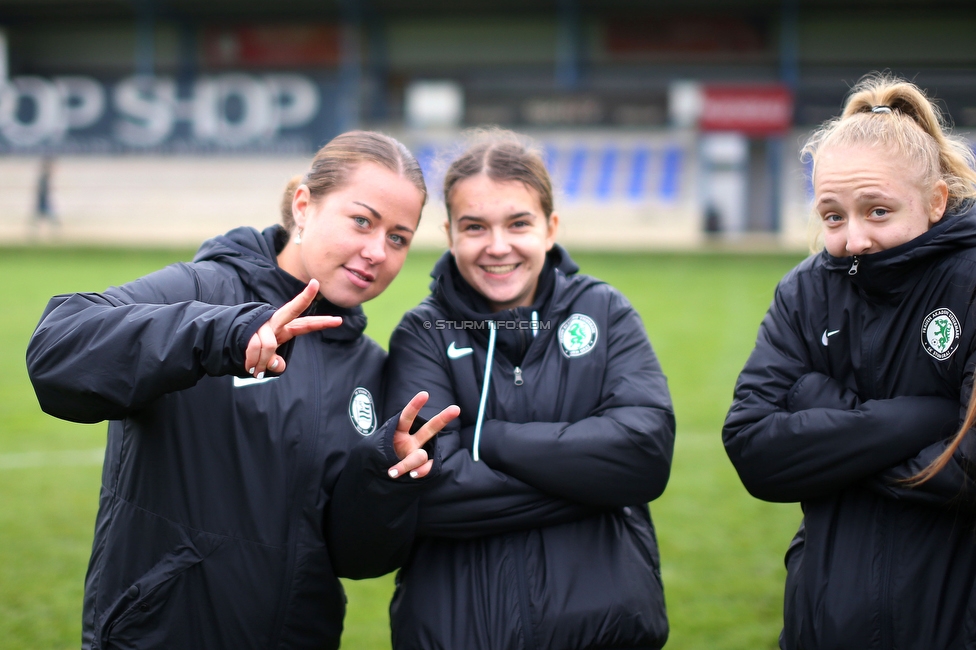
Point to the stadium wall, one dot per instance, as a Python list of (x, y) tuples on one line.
[(614, 190)]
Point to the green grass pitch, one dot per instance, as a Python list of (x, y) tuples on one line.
[(721, 549)]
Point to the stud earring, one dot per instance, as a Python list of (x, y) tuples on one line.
[(298, 236)]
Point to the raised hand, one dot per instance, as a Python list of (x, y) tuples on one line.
[(286, 323), (409, 447)]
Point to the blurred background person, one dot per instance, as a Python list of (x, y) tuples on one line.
[(44, 208)]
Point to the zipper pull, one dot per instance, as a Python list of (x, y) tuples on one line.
[(853, 269), (518, 376)]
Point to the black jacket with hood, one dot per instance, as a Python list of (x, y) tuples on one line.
[(211, 528), (547, 541), (861, 371)]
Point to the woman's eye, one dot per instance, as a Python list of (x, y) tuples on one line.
[(832, 219), (398, 240), (521, 224), (472, 227), (879, 212), (361, 221)]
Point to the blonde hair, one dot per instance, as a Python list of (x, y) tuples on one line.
[(334, 163), (502, 155), (885, 111)]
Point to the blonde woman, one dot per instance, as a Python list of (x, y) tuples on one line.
[(861, 369)]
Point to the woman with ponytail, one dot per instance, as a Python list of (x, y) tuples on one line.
[(246, 464), (862, 369)]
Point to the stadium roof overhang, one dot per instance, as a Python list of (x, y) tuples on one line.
[(13, 11)]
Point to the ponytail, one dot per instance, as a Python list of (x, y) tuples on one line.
[(882, 110)]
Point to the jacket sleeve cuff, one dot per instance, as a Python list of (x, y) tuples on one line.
[(258, 317), (388, 453)]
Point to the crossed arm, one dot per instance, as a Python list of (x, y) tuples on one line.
[(794, 434)]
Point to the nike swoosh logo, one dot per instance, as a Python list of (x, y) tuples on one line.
[(823, 339), (241, 382), (457, 353)]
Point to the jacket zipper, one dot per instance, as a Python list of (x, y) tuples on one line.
[(870, 337), (520, 538), (301, 479), (853, 269), (886, 613), (525, 612), (528, 633), (523, 343)]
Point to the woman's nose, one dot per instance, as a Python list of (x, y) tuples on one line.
[(858, 237), (499, 245), (374, 249)]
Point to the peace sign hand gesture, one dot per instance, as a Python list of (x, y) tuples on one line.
[(286, 323), (409, 447)]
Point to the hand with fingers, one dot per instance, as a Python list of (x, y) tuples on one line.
[(409, 447), (286, 323)]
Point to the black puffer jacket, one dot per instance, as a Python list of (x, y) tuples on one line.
[(546, 542), (215, 485), (856, 381)]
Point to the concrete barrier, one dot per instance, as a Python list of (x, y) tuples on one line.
[(613, 191)]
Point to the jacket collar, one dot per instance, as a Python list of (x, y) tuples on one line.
[(894, 271)]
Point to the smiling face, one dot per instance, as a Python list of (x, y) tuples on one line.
[(870, 199), (499, 237), (354, 240)]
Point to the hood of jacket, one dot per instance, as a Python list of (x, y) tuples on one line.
[(253, 255), (894, 271)]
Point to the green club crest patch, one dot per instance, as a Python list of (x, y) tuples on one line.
[(578, 335), (362, 412), (941, 333)]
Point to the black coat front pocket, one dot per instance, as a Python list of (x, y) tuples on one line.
[(149, 613)]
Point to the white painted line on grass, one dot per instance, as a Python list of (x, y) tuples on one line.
[(29, 459)]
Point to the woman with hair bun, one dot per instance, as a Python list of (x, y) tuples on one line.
[(861, 370), (536, 534), (225, 513)]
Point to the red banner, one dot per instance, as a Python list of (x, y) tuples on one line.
[(272, 46), (750, 109)]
